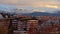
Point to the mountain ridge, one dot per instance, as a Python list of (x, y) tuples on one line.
[(42, 14)]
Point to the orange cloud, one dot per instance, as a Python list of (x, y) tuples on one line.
[(46, 4), (33, 3)]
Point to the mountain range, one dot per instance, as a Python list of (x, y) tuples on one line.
[(42, 14)]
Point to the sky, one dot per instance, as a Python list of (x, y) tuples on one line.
[(41, 5)]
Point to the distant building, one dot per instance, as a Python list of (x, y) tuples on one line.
[(32, 26)]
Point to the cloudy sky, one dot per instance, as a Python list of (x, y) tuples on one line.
[(44, 4)]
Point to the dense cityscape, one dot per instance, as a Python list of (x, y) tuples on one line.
[(20, 24), (29, 16)]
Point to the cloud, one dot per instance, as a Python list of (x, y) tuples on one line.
[(50, 0), (34, 3), (55, 4), (17, 2)]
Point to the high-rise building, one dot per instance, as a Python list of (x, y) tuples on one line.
[(32, 26)]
